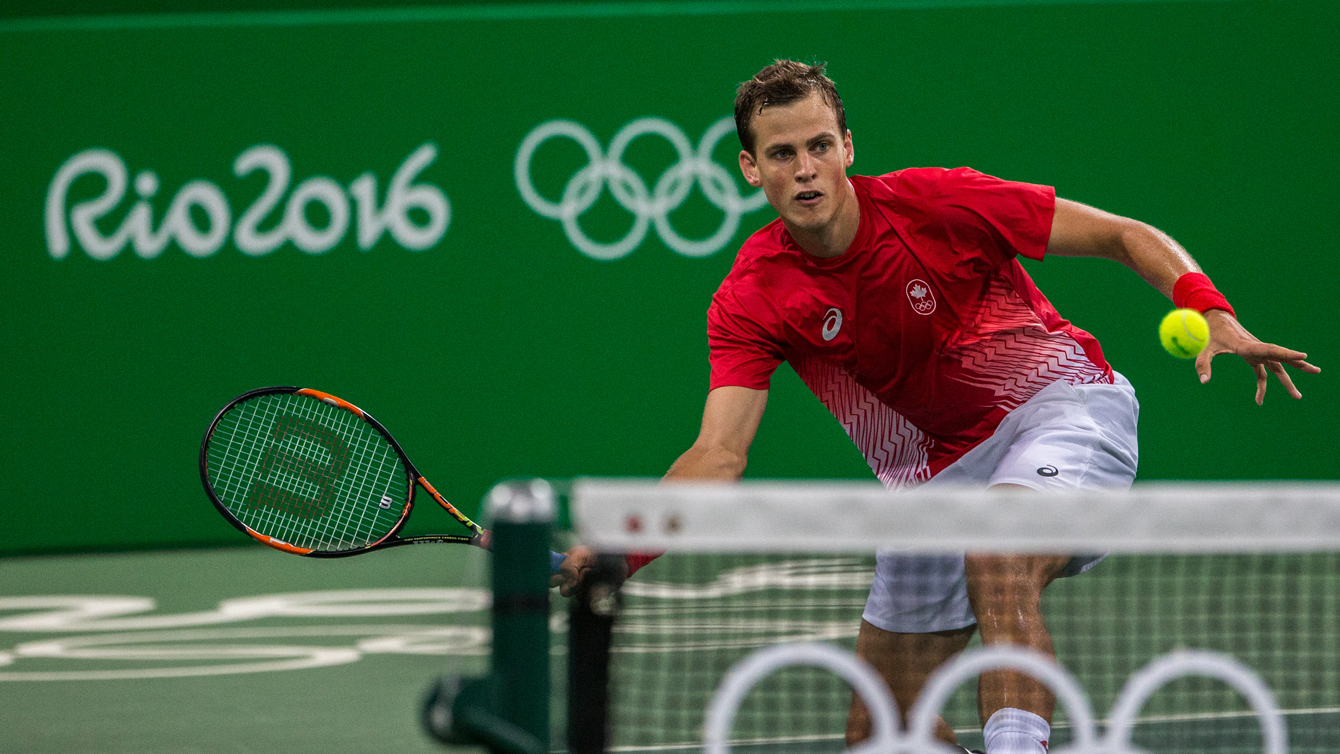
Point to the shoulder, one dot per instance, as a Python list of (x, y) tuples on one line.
[(931, 185), (918, 195), (767, 241), (960, 194), (764, 250), (761, 262)]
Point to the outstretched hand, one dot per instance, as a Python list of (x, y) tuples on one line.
[(573, 571), (1228, 336)]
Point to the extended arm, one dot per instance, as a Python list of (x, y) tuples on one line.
[(721, 451), (1082, 231), (729, 422)]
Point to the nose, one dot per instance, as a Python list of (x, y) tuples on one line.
[(805, 167)]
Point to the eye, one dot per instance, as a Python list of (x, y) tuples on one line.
[(821, 146)]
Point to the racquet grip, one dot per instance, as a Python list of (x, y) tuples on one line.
[(556, 561)]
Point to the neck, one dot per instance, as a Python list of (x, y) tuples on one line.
[(833, 238)]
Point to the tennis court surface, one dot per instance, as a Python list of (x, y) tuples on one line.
[(233, 651)]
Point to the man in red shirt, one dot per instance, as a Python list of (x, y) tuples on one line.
[(898, 300)]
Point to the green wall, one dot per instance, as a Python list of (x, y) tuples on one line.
[(487, 343)]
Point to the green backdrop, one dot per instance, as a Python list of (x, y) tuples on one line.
[(472, 326)]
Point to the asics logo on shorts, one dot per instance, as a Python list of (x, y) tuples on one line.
[(832, 323), (648, 205)]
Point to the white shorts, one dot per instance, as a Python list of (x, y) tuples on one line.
[(1065, 437)]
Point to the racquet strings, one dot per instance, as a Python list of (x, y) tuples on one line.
[(309, 474)]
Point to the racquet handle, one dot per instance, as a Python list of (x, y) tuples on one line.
[(484, 539)]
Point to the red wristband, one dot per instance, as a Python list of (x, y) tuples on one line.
[(638, 559), (1195, 291)]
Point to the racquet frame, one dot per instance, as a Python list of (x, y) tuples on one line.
[(478, 537)]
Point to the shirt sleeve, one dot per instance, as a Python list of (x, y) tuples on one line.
[(742, 350), (980, 215)]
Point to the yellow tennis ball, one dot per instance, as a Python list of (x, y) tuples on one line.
[(1184, 333)]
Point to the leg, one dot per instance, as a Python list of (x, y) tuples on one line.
[(1005, 592), (1064, 437), (904, 661)]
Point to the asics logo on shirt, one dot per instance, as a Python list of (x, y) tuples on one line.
[(919, 294), (832, 323)]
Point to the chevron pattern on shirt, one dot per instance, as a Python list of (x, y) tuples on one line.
[(1015, 356), (894, 448)]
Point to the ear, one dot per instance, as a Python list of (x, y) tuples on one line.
[(851, 153), (750, 169)]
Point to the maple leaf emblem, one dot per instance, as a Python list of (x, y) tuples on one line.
[(920, 296)]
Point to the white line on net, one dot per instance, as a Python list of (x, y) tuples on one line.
[(636, 515)]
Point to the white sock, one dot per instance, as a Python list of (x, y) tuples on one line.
[(1016, 731)]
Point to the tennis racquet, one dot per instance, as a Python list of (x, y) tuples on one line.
[(305, 472)]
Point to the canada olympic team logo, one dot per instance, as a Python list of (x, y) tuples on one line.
[(920, 296), (648, 205)]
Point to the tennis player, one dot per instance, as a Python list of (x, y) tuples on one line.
[(899, 301)]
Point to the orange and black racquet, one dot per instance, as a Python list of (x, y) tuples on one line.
[(307, 473)]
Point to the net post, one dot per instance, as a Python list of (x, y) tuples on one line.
[(591, 617), (522, 514)]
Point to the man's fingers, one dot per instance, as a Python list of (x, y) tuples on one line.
[(1262, 357), (1267, 356), (571, 578), (578, 561), (1203, 364), (1270, 352), (1283, 376)]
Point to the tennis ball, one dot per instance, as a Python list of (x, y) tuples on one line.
[(1184, 333)]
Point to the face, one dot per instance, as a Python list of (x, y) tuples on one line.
[(801, 162)]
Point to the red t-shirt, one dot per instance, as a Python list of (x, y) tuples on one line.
[(924, 334)]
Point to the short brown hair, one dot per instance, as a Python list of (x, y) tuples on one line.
[(783, 82)]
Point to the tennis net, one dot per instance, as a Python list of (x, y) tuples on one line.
[(1198, 578)]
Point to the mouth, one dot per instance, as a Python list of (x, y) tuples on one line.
[(808, 198)]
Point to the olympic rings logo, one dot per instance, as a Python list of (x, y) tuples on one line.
[(648, 206), (888, 736)]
